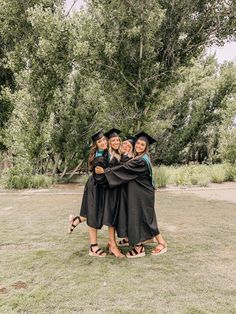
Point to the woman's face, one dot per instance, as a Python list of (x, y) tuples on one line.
[(102, 143), (140, 146), (115, 142), (127, 147)]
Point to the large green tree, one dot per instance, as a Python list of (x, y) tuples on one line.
[(138, 46), (190, 112)]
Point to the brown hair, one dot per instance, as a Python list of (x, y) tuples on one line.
[(92, 154)]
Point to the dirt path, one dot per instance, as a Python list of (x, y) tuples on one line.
[(223, 192)]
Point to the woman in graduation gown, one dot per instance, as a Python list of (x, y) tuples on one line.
[(121, 223), (142, 223), (112, 196), (92, 208)]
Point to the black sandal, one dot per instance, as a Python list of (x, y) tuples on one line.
[(98, 253), (123, 242), (134, 253), (72, 219)]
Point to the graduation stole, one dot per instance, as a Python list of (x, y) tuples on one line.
[(147, 159), (99, 153)]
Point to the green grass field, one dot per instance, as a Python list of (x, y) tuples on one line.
[(44, 270)]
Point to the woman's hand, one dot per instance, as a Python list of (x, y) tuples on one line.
[(99, 170)]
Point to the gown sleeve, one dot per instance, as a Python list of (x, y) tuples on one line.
[(131, 170), (100, 178)]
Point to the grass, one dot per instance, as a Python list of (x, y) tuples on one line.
[(187, 175), (192, 175), (197, 275)]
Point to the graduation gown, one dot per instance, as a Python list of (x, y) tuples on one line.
[(141, 217), (112, 200), (92, 206), (122, 216)]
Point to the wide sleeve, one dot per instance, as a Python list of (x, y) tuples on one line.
[(131, 170), (100, 178)]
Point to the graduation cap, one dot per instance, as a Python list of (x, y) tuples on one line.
[(130, 138), (145, 137), (95, 137), (112, 133)]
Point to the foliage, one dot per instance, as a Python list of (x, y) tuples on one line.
[(161, 177), (227, 145), (194, 175), (132, 64)]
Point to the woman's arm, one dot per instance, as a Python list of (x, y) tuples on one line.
[(124, 173)]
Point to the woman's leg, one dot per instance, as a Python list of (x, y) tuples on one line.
[(94, 250), (74, 221), (113, 249), (161, 247)]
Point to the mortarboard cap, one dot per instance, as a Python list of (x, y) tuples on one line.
[(112, 133), (95, 137), (130, 138), (145, 137)]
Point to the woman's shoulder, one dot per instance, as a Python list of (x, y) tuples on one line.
[(136, 162)]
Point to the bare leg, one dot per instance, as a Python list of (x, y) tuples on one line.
[(74, 221), (94, 250), (92, 235), (161, 247), (113, 249)]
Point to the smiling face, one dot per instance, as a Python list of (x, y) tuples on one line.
[(140, 146), (102, 143), (114, 142), (127, 147)]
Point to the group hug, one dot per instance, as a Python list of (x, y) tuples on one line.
[(120, 194)]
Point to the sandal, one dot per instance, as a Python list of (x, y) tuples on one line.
[(72, 219), (99, 252), (123, 242), (134, 253), (159, 249)]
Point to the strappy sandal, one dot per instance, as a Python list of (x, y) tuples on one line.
[(134, 253), (158, 250), (72, 226), (123, 242), (98, 253)]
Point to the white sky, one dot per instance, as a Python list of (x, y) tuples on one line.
[(227, 52)]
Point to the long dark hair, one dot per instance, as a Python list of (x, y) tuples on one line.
[(92, 154)]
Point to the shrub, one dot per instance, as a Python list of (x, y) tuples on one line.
[(14, 181), (161, 176), (230, 172), (217, 173)]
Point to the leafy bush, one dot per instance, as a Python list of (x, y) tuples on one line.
[(161, 176), (230, 172), (15, 181), (217, 173)]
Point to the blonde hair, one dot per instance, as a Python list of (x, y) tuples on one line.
[(114, 152), (131, 153)]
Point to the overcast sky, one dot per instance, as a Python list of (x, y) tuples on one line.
[(227, 52)]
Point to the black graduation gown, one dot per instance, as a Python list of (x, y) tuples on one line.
[(142, 224), (122, 217), (92, 206), (112, 200)]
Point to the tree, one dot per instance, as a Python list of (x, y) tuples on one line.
[(138, 46), (191, 113)]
